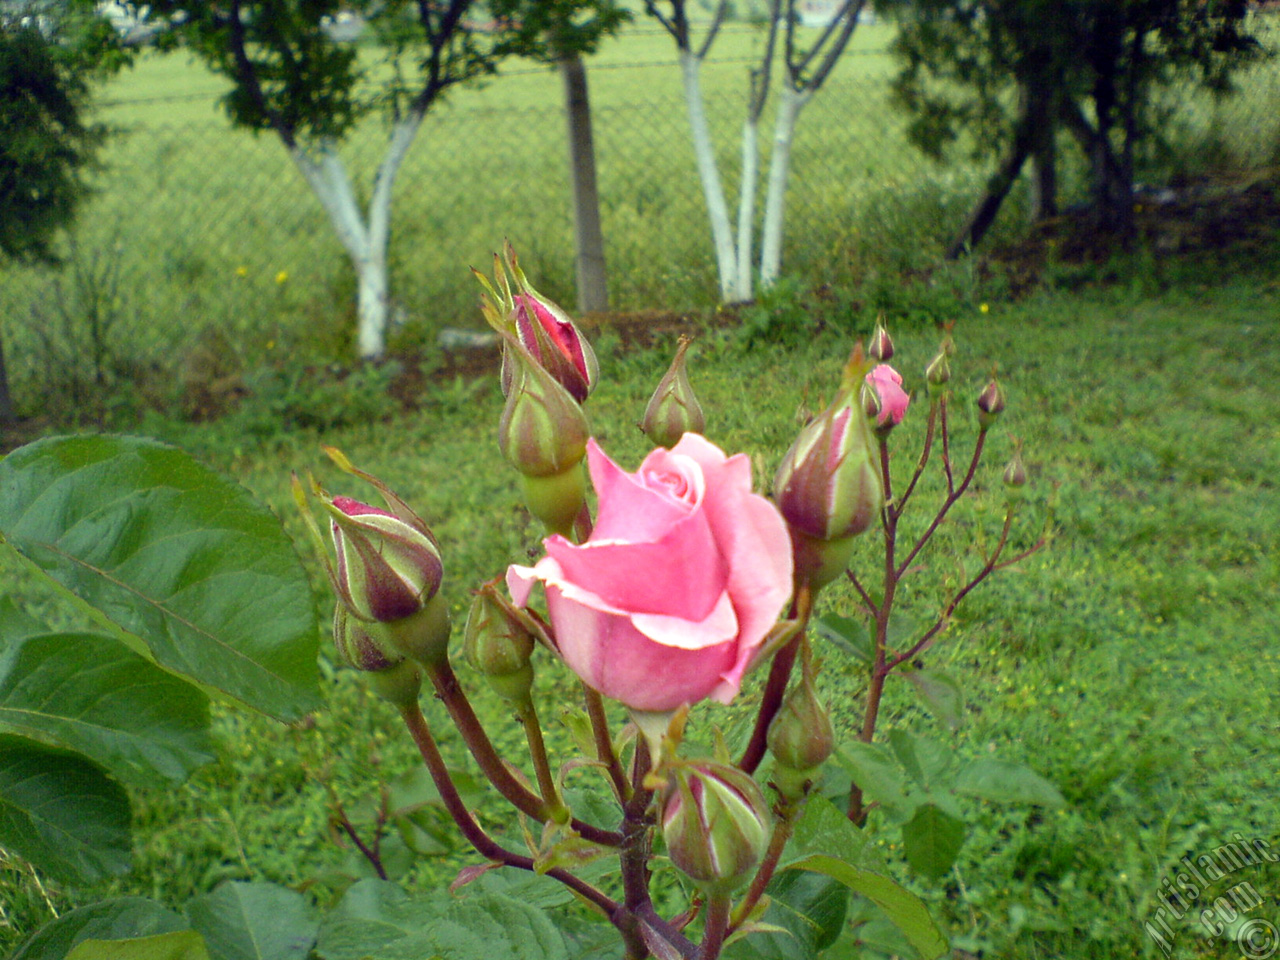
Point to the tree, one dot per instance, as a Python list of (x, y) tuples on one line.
[(560, 27), (292, 75), (1012, 73), (49, 53), (805, 69)]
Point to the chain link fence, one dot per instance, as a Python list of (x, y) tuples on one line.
[(207, 227)]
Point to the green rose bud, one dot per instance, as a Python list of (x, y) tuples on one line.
[(716, 824)]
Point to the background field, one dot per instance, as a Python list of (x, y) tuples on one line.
[(199, 228)]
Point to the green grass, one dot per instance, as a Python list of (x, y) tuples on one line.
[(1134, 663)]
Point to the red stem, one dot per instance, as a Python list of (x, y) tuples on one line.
[(776, 685)]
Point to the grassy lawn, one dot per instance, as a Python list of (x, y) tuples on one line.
[(1134, 663)]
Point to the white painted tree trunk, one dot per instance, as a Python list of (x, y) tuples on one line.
[(790, 103), (709, 174), (747, 208), (365, 238)]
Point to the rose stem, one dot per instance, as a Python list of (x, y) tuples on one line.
[(782, 831), (717, 925), (528, 715), (416, 723), (604, 744), (898, 507), (875, 686), (955, 494), (636, 824), (776, 685), (477, 741)]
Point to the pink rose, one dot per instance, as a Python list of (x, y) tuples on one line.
[(887, 383), (670, 599)]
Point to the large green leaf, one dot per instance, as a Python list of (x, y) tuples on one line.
[(91, 694), (16, 623), (61, 812), (904, 909), (932, 839), (378, 921), (124, 918), (940, 692), (179, 945), (826, 842), (172, 554), (808, 907), (1006, 782), (873, 769), (822, 828), (254, 921)]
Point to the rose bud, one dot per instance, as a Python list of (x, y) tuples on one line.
[(828, 486), (938, 372), (673, 409), (716, 824), (883, 396), (543, 434), (541, 327), (1015, 476), (497, 644), (800, 738), (670, 599), (990, 404), (357, 647), (880, 347), (393, 677), (387, 568)]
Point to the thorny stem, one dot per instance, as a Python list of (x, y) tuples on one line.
[(418, 729), (954, 493), (717, 926), (776, 685), (477, 741), (604, 743)]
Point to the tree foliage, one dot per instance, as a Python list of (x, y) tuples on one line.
[(48, 56), (1008, 74)]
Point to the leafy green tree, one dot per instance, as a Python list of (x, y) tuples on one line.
[(1010, 74), (293, 75), (49, 54)]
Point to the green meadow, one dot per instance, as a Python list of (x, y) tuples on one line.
[(1134, 662)]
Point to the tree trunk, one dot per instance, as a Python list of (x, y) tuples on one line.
[(709, 174), (984, 213), (593, 284), (790, 103), (364, 239), (1042, 110), (747, 206)]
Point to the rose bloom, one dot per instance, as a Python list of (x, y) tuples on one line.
[(887, 383), (685, 573)]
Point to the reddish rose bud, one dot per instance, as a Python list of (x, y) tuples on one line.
[(538, 325), (716, 824), (673, 409), (387, 568), (394, 678), (990, 404), (880, 347)]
